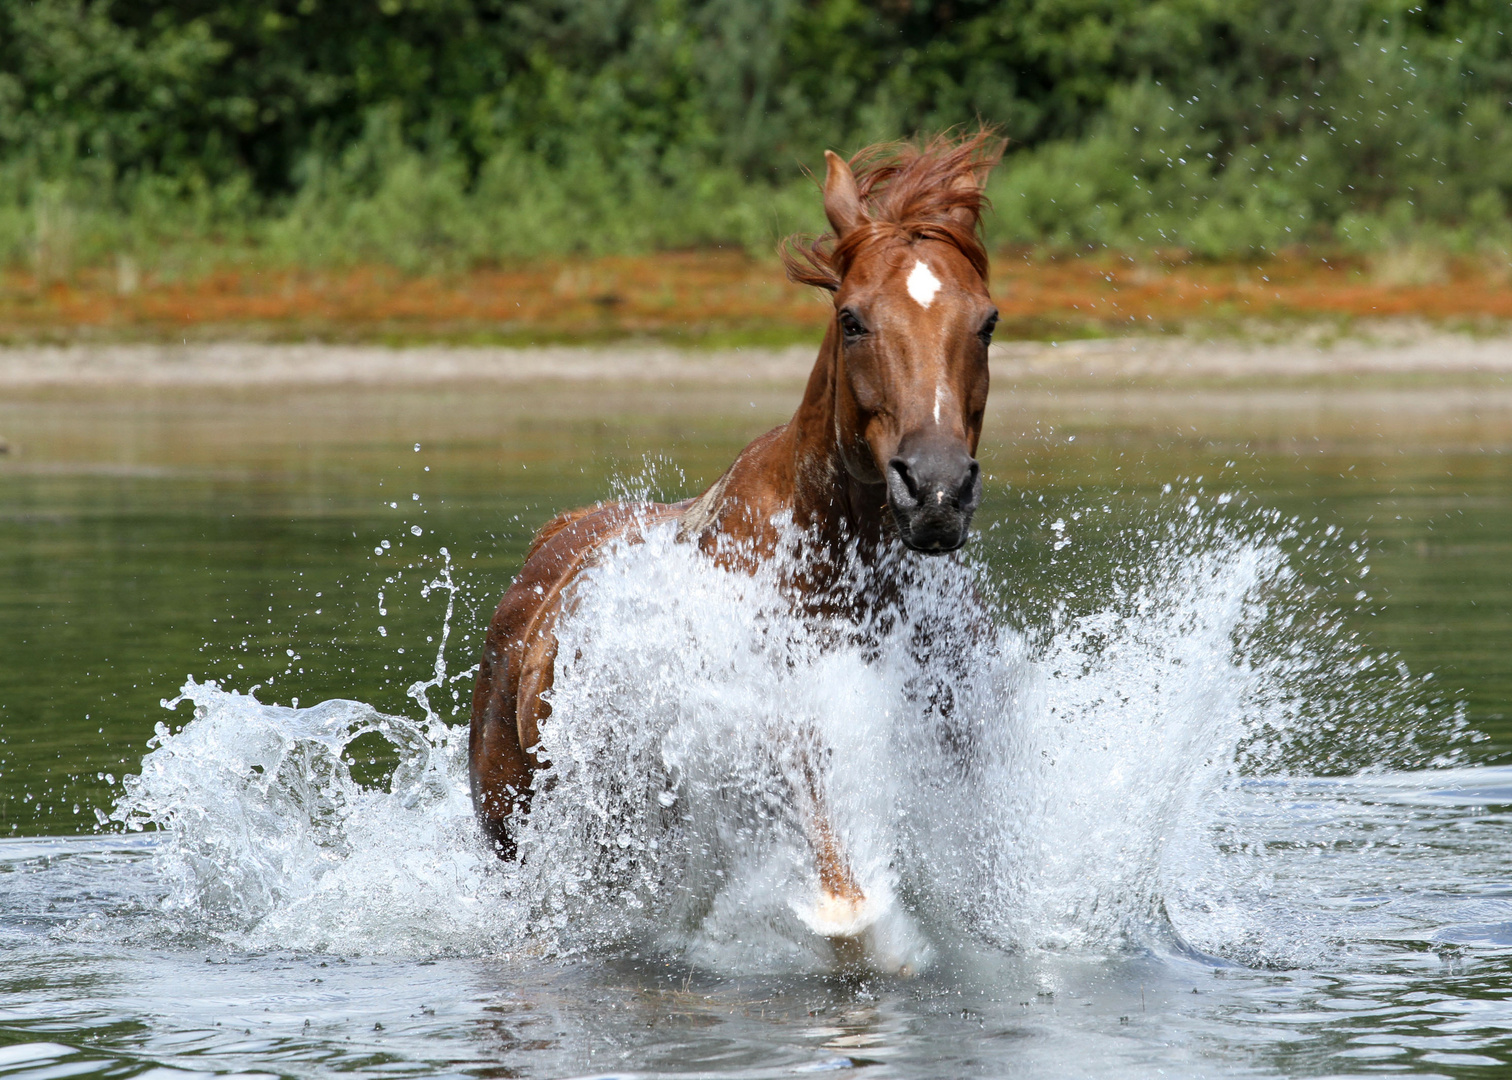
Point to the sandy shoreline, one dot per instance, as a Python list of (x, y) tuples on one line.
[(231, 365)]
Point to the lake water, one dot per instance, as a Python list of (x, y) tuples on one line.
[(1241, 803)]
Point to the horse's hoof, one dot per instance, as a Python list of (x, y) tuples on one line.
[(835, 916), (863, 939)]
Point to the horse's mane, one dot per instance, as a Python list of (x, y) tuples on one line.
[(908, 192)]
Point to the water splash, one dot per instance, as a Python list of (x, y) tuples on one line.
[(269, 840), (995, 789)]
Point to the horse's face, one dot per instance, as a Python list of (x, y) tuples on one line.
[(913, 322)]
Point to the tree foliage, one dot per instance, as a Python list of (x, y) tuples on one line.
[(1217, 124)]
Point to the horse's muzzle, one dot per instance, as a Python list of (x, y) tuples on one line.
[(933, 490)]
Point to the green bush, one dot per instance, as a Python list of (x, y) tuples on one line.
[(443, 133)]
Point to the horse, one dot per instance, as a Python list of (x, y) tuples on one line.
[(881, 452)]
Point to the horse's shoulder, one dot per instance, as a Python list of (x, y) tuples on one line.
[(701, 514), (745, 498)]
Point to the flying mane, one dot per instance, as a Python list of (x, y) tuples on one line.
[(909, 192)]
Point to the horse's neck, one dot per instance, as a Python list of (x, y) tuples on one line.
[(827, 501), (793, 473)]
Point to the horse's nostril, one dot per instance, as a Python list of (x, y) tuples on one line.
[(905, 474), (968, 486)]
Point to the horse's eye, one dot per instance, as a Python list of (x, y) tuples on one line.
[(851, 326), (985, 333)]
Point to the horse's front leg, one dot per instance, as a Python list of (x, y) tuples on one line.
[(836, 878), (841, 910)]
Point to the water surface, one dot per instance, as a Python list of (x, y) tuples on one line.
[(1243, 902)]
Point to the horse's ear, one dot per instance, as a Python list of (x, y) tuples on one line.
[(842, 199), (967, 188)]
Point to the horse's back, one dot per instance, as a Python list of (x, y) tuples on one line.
[(567, 543)]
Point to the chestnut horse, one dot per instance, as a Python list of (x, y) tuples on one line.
[(881, 450)]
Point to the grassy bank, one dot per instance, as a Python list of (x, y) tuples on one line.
[(1147, 179), (457, 136)]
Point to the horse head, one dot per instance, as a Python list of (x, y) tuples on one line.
[(912, 323)]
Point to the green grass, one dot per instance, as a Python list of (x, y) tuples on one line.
[(382, 202)]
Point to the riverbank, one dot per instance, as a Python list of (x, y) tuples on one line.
[(1391, 351)]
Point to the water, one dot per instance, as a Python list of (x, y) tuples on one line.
[(1198, 809)]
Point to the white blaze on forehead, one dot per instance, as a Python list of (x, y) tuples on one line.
[(939, 398), (922, 284)]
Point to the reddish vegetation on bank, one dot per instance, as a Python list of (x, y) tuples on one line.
[(704, 296)]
